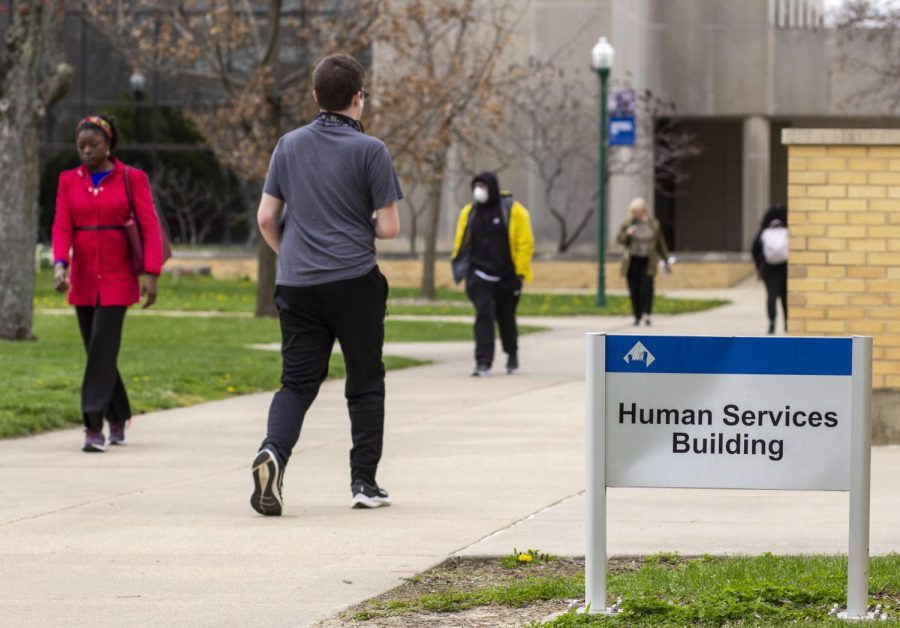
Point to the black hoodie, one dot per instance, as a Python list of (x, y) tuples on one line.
[(489, 237)]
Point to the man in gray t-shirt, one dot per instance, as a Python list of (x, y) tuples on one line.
[(332, 177), (330, 191)]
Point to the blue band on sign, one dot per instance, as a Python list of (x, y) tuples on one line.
[(738, 356)]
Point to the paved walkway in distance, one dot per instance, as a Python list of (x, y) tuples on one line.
[(160, 532)]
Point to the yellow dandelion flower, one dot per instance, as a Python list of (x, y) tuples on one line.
[(525, 558), (231, 389)]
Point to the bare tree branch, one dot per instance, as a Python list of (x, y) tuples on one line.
[(877, 25)]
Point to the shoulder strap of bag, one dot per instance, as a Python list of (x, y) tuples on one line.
[(128, 193), (506, 203)]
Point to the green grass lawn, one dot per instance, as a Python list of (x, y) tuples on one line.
[(544, 304), (196, 293), (763, 590), (658, 590), (165, 362), (188, 292)]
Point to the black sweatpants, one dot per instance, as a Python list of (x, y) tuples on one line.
[(494, 300), (640, 286), (312, 317), (775, 278), (102, 390)]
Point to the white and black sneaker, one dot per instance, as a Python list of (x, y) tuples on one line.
[(267, 476), (481, 370), (367, 495)]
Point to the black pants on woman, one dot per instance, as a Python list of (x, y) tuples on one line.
[(352, 311), (102, 391), (640, 287), (775, 278)]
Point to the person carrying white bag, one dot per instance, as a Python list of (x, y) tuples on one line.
[(770, 253)]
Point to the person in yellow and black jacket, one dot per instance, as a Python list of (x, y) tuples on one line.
[(492, 253)]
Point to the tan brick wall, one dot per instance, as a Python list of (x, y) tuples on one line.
[(548, 275), (235, 267), (844, 275), (582, 275)]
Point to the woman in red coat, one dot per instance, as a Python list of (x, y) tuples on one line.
[(92, 262)]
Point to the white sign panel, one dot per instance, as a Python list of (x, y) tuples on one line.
[(727, 412), (708, 412)]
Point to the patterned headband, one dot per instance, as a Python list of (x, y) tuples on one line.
[(99, 122)]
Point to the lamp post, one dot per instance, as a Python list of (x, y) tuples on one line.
[(602, 56), (138, 83)]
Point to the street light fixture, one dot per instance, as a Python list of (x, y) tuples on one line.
[(602, 56), (137, 83)]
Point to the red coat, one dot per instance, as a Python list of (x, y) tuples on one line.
[(100, 267)]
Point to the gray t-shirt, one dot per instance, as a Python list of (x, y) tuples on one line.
[(331, 178)]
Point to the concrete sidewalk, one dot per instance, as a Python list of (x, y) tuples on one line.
[(161, 532)]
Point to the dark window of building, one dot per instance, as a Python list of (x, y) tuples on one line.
[(703, 212)]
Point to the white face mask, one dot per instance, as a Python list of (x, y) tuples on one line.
[(480, 195)]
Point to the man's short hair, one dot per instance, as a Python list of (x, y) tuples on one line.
[(336, 79)]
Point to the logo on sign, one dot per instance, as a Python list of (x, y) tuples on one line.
[(639, 353)]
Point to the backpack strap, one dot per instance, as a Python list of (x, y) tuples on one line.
[(506, 203)]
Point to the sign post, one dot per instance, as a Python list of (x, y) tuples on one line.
[(860, 476), (728, 412), (595, 489)]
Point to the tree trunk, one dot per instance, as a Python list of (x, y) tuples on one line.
[(433, 201), (413, 230), (18, 225), (265, 281), (266, 260), (33, 40)]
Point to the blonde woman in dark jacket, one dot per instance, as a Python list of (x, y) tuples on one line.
[(645, 246)]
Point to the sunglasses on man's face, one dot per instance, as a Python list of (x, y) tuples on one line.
[(365, 94)]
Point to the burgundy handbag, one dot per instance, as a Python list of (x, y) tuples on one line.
[(133, 233)]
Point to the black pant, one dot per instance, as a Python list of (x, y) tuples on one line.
[(775, 278), (311, 318), (102, 390), (640, 286), (494, 300)]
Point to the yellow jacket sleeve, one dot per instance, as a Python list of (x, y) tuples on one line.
[(460, 229), (521, 241)]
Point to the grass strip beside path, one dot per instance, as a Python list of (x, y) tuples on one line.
[(658, 590), (165, 362), (199, 293), (454, 302), (193, 293)]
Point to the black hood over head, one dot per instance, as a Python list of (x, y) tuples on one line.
[(493, 186), (775, 212)]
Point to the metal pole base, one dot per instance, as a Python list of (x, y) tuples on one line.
[(874, 615), (615, 609)]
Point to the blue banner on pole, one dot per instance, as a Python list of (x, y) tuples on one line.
[(622, 131)]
